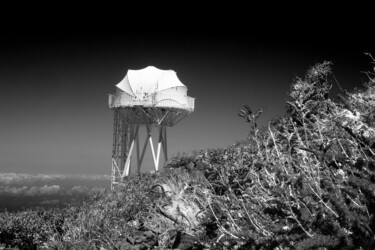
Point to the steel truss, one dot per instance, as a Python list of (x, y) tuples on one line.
[(126, 138)]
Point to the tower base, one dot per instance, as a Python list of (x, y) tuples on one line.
[(126, 138)]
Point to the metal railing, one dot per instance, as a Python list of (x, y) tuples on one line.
[(123, 99)]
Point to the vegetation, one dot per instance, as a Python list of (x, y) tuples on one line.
[(305, 181)]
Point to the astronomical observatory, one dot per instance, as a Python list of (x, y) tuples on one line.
[(148, 98)]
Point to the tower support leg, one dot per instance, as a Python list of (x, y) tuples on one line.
[(133, 139), (165, 144), (125, 139), (161, 145), (121, 144)]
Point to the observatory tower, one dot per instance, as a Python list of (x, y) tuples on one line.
[(146, 98)]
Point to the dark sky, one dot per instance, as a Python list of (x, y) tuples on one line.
[(53, 87)]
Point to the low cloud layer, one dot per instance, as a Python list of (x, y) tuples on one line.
[(48, 190), (22, 179), (25, 190), (29, 191)]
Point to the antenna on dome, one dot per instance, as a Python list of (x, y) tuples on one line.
[(147, 98)]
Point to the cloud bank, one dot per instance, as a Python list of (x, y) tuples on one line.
[(25, 190), (22, 179), (48, 190)]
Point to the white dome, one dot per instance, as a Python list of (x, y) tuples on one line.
[(147, 81)]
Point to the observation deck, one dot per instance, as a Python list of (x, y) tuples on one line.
[(156, 100), (163, 109)]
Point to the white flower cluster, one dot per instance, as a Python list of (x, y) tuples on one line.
[(353, 121)]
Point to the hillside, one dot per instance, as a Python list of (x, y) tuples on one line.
[(305, 181)]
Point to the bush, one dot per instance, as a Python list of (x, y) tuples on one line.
[(305, 181)]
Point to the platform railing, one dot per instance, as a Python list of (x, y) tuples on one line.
[(122, 99), (191, 102)]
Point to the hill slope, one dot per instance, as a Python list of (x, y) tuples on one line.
[(306, 181)]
